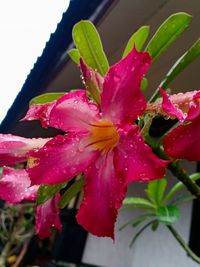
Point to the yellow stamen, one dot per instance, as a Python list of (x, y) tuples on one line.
[(31, 162), (104, 135)]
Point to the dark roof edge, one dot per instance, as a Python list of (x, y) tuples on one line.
[(59, 41)]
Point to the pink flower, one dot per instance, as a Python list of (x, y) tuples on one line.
[(14, 149), (47, 216), (15, 186), (183, 141), (101, 143)]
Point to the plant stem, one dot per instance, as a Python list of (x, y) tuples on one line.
[(190, 253), (182, 175), (179, 172), (5, 252)]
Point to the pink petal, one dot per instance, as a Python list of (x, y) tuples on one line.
[(183, 142), (135, 160), (170, 109), (183, 106), (15, 186), (61, 159), (14, 149), (73, 112), (92, 81), (47, 216), (122, 100), (39, 112), (104, 192)]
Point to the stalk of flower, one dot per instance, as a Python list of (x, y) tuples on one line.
[(103, 144)]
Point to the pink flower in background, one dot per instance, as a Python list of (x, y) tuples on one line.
[(183, 141), (15, 149), (101, 143), (15, 186)]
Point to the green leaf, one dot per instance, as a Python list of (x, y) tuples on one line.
[(186, 59), (168, 215), (45, 192), (138, 39), (71, 192), (45, 98), (144, 84), (74, 55), (138, 202), (138, 220), (140, 232), (88, 43), (155, 190), (167, 33), (178, 186)]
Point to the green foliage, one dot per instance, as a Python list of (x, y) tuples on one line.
[(71, 192), (138, 39), (88, 43), (74, 55), (167, 33), (45, 192), (155, 190), (132, 202), (168, 214), (45, 98)]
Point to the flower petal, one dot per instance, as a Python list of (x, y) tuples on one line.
[(15, 186), (14, 149), (73, 112), (135, 160), (170, 109), (39, 112), (47, 216), (183, 142), (61, 159), (122, 100), (104, 192)]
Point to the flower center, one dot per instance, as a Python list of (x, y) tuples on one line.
[(104, 135)]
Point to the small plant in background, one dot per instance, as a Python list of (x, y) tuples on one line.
[(16, 231), (107, 142)]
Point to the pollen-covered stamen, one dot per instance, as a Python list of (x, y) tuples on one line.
[(104, 135)]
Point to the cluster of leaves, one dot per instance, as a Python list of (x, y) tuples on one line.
[(160, 207)]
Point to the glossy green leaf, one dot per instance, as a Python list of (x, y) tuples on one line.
[(168, 215), (178, 186), (167, 33), (140, 232), (138, 39), (45, 98), (45, 192), (138, 202), (88, 43), (71, 192), (74, 55), (186, 59), (155, 190)]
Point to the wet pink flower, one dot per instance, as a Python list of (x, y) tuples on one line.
[(183, 141), (15, 186), (14, 149), (47, 216), (101, 143)]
